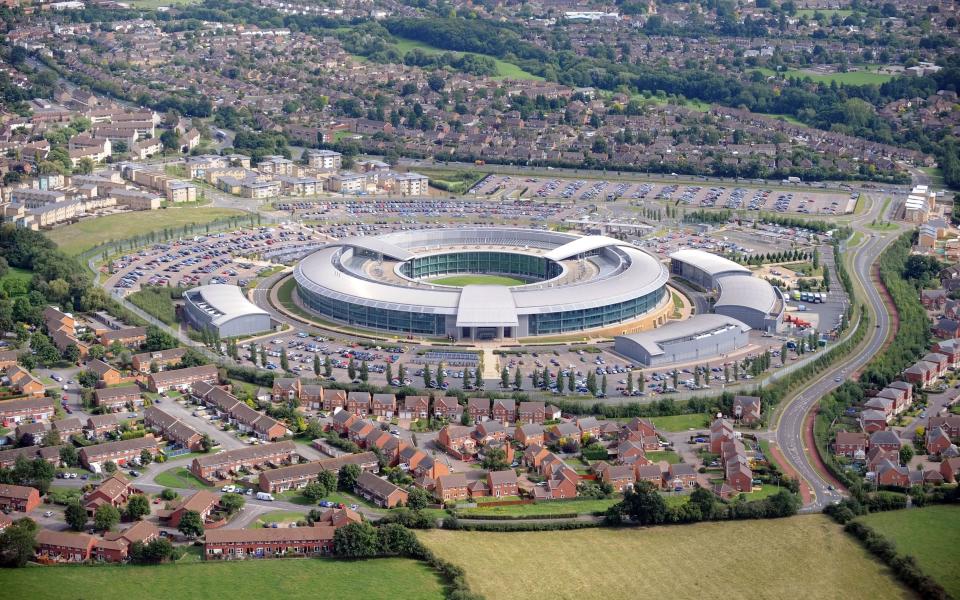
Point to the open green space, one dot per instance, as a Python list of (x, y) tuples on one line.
[(669, 456), (462, 280), (77, 238), (179, 477), (681, 422), (806, 556), (19, 279), (148, 4), (278, 516), (930, 535), (385, 578), (158, 302), (864, 76), (550, 507), (505, 70), (765, 491), (882, 226), (843, 13)]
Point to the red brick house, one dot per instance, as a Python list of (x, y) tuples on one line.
[(128, 336), (721, 431), (451, 487), (650, 473), (25, 410), (529, 434), (415, 407), (504, 411), (746, 409), (115, 491), (232, 544), (949, 423), (949, 467), (120, 452), (384, 405), (937, 441), (182, 378), (457, 438), (380, 491), (873, 420), (531, 412), (118, 398), (490, 431), (64, 546), (850, 444), (619, 476), (922, 373), (213, 467), (681, 475), (886, 440), (23, 382), (334, 399), (478, 409), (18, 498), (447, 408), (502, 483), (202, 502), (359, 403), (162, 359)]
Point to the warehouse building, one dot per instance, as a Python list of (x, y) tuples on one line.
[(224, 308), (703, 268), (699, 338)]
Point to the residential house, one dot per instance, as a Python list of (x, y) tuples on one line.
[(18, 498), (23, 382), (106, 373), (221, 465), (201, 502), (887, 440), (721, 431), (298, 476), (115, 546), (447, 408), (25, 410), (116, 399), (620, 477), (590, 426), (502, 483), (286, 388), (182, 378), (937, 441), (949, 423), (488, 432), (146, 362), (681, 475), (531, 412), (478, 409), (383, 405), (334, 399), (650, 473), (504, 410), (949, 468), (236, 544), (99, 426), (851, 444), (458, 439), (173, 429), (120, 452), (358, 403), (746, 409), (451, 487), (922, 373), (127, 336), (114, 490), (873, 420), (415, 407), (529, 434), (63, 546), (380, 491), (68, 427)]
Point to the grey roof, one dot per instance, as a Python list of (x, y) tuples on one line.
[(378, 244), (707, 262), (486, 306), (582, 245), (698, 326), (222, 302), (747, 291)]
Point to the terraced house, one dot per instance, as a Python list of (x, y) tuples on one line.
[(296, 477), (380, 491), (173, 429), (224, 464), (121, 452), (233, 544), (26, 410), (118, 398)]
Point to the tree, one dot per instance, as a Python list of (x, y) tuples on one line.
[(356, 540), (436, 82), (347, 477), (145, 457), (191, 524), (351, 370), (478, 378), (316, 365), (467, 379), (395, 539), (418, 498), (783, 504), (156, 551), (284, 361), (18, 542), (504, 378), (206, 442), (494, 459), (168, 494), (110, 466), (364, 371), (232, 503), (906, 453), (170, 140), (328, 479), (427, 376), (51, 438), (440, 375), (69, 455), (96, 351), (517, 379), (315, 491), (106, 517), (644, 504), (138, 506), (76, 516), (603, 385), (327, 367)]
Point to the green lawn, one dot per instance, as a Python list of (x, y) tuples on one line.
[(801, 557), (827, 12), (79, 237), (156, 3), (279, 516), (294, 497), (929, 534), (181, 478), (862, 77), (386, 579), (462, 280), (348, 499), (18, 277), (764, 492), (550, 507), (505, 70), (667, 455), (681, 422)]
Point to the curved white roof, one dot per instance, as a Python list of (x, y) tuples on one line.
[(375, 243), (223, 302), (703, 325), (750, 292), (633, 273), (708, 262), (587, 243)]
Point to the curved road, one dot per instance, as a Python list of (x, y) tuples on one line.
[(790, 429)]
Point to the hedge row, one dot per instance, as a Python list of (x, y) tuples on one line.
[(456, 524), (904, 566), (481, 517)]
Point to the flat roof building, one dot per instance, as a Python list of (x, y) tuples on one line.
[(703, 268), (698, 338)]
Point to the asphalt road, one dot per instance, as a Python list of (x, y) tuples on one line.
[(789, 432)]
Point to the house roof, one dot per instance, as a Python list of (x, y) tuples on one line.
[(267, 535)]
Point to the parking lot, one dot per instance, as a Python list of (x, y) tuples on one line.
[(799, 201), (235, 258)]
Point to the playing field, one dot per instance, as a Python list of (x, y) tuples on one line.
[(930, 534), (801, 557), (462, 280), (386, 578), (76, 238), (505, 70)]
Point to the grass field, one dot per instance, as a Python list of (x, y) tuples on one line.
[(827, 12), (808, 557), (385, 578), (278, 516), (664, 455), (929, 534), (680, 422), (22, 276), (862, 77), (147, 4), (179, 477), (79, 237), (556, 507), (505, 70), (462, 280)]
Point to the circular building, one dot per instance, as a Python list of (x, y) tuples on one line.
[(485, 283), (703, 268)]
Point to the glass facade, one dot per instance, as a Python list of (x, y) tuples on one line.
[(531, 267), (576, 320), (372, 317)]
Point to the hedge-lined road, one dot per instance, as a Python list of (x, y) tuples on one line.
[(790, 433)]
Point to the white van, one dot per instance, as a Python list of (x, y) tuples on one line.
[(265, 496)]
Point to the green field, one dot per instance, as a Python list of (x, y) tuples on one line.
[(555, 507), (462, 280), (802, 557), (862, 77), (179, 477), (385, 578), (505, 70), (929, 534), (664, 455), (827, 12), (278, 516), (148, 4), (76, 238), (681, 422), (16, 277)]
